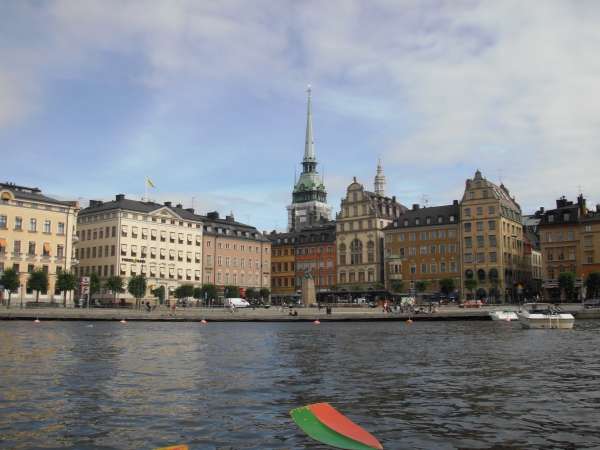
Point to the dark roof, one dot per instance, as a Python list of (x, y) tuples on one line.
[(299, 237), (433, 212), (213, 221), (33, 194)]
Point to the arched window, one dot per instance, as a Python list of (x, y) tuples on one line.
[(356, 252), (469, 274), (371, 251), (481, 274), (493, 275), (342, 252)]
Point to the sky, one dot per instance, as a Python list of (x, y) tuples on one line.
[(208, 99)]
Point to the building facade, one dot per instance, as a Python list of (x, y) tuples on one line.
[(309, 199), (235, 254), (491, 240), (128, 237), (283, 267), (315, 256), (359, 237), (570, 242), (423, 244), (36, 232)]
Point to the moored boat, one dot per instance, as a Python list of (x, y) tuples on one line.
[(544, 315), (505, 315)]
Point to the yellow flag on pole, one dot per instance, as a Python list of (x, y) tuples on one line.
[(149, 182)]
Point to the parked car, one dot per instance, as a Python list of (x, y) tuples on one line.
[(592, 303), (472, 304)]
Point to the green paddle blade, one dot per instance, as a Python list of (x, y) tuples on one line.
[(307, 421)]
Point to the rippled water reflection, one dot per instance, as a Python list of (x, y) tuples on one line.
[(231, 386)]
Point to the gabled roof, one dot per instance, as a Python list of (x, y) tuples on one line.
[(411, 216), (33, 194)]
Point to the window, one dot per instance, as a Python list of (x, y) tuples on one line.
[(479, 210), (423, 250), (480, 241), (3, 222), (423, 235), (423, 268), (467, 227), (31, 250), (493, 257), (342, 252), (356, 252), (371, 251), (47, 227), (491, 225), (479, 226), (32, 225), (18, 223), (467, 212), (492, 239), (468, 242)]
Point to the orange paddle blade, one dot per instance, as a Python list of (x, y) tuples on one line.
[(175, 447), (332, 418)]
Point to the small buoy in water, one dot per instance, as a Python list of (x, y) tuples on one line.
[(317, 322), (203, 322), (123, 321), (90, 326), (409, 321), (37, 320)]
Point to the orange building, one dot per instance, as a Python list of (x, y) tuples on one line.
[(283, 272), (315, 255)]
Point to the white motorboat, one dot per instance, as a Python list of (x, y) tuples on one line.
[(505, 315), (544, 315)]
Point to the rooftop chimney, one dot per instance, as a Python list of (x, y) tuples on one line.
[(454, 202), (213, 215), (94, 203), (190, 210), (415, 206), (179, 205), (119, 197), (229, 218), (167, 204)]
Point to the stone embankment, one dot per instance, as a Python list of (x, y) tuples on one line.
[(273, 314)]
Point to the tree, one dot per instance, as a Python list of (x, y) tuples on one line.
[(592, 283), (94, 284), (159, 293), (198, 294), (137, 288), (421, 286), (447, 286), (265, 293), (184, 291), (397, 286), (232, 291), (470, 284), (252, 294), (566, 282), (10, 281), (66, 281), (209, 291), (114, 284), (38, 281)]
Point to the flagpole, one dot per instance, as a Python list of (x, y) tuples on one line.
[(146, 189)]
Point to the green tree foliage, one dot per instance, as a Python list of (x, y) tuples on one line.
[(421, 286), (114, 284), (265, 293), (94, 283), (397, 285), (566, 282), (159, 293), (232, 291), (252, 294), (66, 281), (38, 281), (184, 291), (209, 291), (592, 283), (470, 284), (137, 288), (198, 294), (447, 286), (10, 281)]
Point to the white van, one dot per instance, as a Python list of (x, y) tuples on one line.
[(237, 302)]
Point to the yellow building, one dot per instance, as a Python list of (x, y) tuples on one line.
[(359, 235), (36, 232), (492, 241), (128, 237), (423, 244), (283, 270)]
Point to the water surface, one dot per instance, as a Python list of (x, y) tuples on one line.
[(81, 385)]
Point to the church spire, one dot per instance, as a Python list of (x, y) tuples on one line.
[(309, 144), (379, 180)]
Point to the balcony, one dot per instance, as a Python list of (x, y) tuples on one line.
[(395, 276)]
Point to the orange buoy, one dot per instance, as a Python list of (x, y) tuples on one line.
[(409, 321), (317, 322), (203, 322), (37, 320), (123, 321)]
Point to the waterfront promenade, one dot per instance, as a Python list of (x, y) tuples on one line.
[(273, 314)]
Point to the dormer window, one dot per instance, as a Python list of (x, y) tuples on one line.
[(551, 218), (440, 219), (428, 220), (405, 222), (566, 217), (451, 218), (417, 221)]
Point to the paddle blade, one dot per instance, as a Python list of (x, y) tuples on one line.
[(332, 418), (307, 421), (174, 447)]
